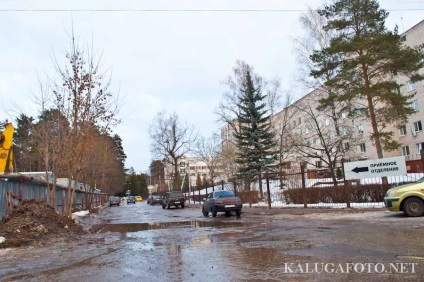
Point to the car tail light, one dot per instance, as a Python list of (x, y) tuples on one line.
[(218, 202)]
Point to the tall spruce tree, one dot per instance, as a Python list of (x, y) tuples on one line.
[(255, 138), (364, 55)]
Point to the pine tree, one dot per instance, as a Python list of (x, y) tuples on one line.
[(117, 140), (364, 55), (24, 156), (255, 139)]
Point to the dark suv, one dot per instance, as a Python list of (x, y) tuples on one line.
[(131, 199), (173, 198)]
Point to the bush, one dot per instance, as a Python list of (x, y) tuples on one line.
[(357, 194), (250, 197)]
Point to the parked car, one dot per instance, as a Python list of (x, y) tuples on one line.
[(173, 198), (155, 200), (408, 198), (149, 199), (138, 198), (222, 201), (131, 199), (114, 200)]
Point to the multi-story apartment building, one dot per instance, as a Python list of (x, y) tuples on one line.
[(411, 135), (354, 136), (304, 134)]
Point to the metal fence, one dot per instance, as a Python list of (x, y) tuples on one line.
[(309, 189), (26, 188)]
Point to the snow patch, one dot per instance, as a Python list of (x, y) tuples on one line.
[(79, 214), (2, 239)]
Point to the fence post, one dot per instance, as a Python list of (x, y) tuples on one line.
[(346, 186), (268, 192), (302, 172), (222, 184)]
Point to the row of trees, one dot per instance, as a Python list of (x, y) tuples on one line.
[(351, 60), (71, 136)]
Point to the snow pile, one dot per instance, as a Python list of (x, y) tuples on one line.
[(79, 214)]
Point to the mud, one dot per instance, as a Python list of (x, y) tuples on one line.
[(148, 243), (35, 223)]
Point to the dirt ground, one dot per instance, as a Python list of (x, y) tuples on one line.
[(35, 223)]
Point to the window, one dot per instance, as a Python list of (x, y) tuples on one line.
[(318, 164), (402, 130), (362, 147), (405, 151), (344, 130), (414, 105), (410, 86), (419, 148), (346, 146), (418, 126), (360, 129), (327, 122), (343, 115), (300, 120)]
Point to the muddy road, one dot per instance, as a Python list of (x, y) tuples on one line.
[(147, 243)]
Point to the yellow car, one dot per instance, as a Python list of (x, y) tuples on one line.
[(138, 198), (408, 198)]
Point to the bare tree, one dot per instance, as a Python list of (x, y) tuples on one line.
[(315, 37), (84, 98), (50, 144), (282, 126), (208, 150), (103, 165), (171, 140), (324, 137)]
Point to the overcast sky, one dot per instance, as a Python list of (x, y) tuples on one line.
[(169, 58)]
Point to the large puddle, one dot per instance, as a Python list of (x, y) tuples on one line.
[(135, 227)]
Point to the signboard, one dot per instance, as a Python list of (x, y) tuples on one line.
[(375, 168)]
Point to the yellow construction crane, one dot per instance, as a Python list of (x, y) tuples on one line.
[(6, 149)]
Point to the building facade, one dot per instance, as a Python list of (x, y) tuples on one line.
[(311, 137)]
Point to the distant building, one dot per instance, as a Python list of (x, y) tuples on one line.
[(190, 168)]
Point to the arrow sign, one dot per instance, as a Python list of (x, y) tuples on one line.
[(375, 168), (360, 169)]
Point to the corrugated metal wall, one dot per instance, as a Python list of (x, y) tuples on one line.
[(31, 190)]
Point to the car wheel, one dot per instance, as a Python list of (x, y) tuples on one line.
[(413, 207), (205, 213), (214, 212), (238, 213), (182, 206), (169, 206), (227, 213), (163, 206)]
